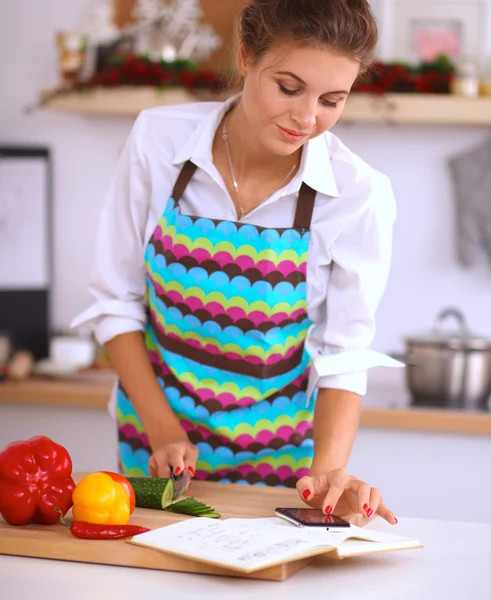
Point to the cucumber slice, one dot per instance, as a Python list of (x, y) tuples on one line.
[(192, 508), (152, 492)]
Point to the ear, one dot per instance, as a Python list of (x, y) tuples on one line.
[(242, 60)]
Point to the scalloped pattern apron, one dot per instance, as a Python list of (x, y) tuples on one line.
[(226, 330)]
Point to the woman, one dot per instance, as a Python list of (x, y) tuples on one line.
[(241, 255)]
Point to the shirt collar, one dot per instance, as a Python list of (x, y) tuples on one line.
[(315, 169), (317, 166), (199, 145)]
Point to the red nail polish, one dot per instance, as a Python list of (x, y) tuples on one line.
[(306, 494), (365, 507), (369, 512), (396, 519), (191, 470), (178, 470), (328, 510)]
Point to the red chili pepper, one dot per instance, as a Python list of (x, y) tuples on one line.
[(91, 531)]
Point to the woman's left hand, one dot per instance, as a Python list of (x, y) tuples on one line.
[(339, 493)]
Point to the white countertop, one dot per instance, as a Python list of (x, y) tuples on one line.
[(454, 564)]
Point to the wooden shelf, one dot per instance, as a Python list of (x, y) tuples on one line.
[(116, 102), (417, 109), (410, 109), (94, 392)]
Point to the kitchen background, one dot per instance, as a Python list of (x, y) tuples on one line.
[(426, 275)]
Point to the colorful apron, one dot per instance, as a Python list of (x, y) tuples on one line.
[(227, 322)]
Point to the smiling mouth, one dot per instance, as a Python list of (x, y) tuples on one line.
[(297, 134)]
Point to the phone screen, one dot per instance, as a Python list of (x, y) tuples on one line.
[(310, 517)]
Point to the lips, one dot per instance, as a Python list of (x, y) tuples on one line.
[(291, 135)]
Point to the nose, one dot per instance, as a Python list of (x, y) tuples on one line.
[(304, 114)]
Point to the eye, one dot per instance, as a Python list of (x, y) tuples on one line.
[(329, 104), (287, 91)]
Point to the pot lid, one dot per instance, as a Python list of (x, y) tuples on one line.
[(459, 338)]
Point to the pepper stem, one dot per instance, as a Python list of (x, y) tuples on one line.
[(62, 520)]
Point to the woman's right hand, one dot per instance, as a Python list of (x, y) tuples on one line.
[(174, 455)]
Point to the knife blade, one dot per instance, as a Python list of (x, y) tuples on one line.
[(181, 483)]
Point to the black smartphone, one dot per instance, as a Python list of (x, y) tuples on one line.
[(310, 517)]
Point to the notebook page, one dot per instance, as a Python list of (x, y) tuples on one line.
[(236, 543), (331, 536), (355, 547)]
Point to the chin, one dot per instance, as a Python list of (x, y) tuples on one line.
[(281, 148)]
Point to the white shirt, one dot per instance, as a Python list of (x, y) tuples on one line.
[(349, 253)]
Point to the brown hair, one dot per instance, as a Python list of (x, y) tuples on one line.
[(346, 26)]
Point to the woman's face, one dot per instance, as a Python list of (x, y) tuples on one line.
[(293, 94)]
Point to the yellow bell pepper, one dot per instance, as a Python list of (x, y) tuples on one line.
[(100, 499)]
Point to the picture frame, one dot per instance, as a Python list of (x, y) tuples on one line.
[(415, 31), (26, 273)]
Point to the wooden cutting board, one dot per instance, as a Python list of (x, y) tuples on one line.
[(244, 501)]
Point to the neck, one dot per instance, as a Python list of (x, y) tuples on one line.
[(249, 156)]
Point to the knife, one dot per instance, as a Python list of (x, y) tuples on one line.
[(181, 483)]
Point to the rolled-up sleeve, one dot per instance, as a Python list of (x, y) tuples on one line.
[(356, 276), (117, 281)]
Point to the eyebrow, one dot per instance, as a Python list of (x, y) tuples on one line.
[(300, 80)]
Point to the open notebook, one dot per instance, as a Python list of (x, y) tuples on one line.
[(247, 545)]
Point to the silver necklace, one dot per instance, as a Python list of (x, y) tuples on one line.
[(242, 211)]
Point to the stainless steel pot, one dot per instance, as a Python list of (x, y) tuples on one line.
[(449, 368)]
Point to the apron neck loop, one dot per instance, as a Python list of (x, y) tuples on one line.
[(182, 181), (305, 202), (305, 207)]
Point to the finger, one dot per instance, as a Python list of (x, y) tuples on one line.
[(375, 501), (337, 484), (310, 487), (305, 488), (175, 458), (191, 458), (153, 468), (158, 465), (387, 514), (362, 490)]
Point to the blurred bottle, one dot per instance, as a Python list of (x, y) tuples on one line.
[(466, 81), (485, 83)]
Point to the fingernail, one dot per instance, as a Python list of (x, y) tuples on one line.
[(369, 512), (191, 470), (306, 494), (396, 520), (365, 507), (177, 470), (328, 510)]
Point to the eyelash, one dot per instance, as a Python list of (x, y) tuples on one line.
[(289, 92)]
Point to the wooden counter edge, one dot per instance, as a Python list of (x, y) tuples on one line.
[(95, 394), (62, 392)]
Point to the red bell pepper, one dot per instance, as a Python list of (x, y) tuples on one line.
[(35, 479)]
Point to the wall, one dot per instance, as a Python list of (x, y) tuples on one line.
[(424, 277)]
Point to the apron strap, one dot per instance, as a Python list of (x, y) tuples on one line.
[(182, 181), (305, 207), (305, 202)]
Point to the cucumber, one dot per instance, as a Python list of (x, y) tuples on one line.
[(192, 508), (152, 492), (158, 493)]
